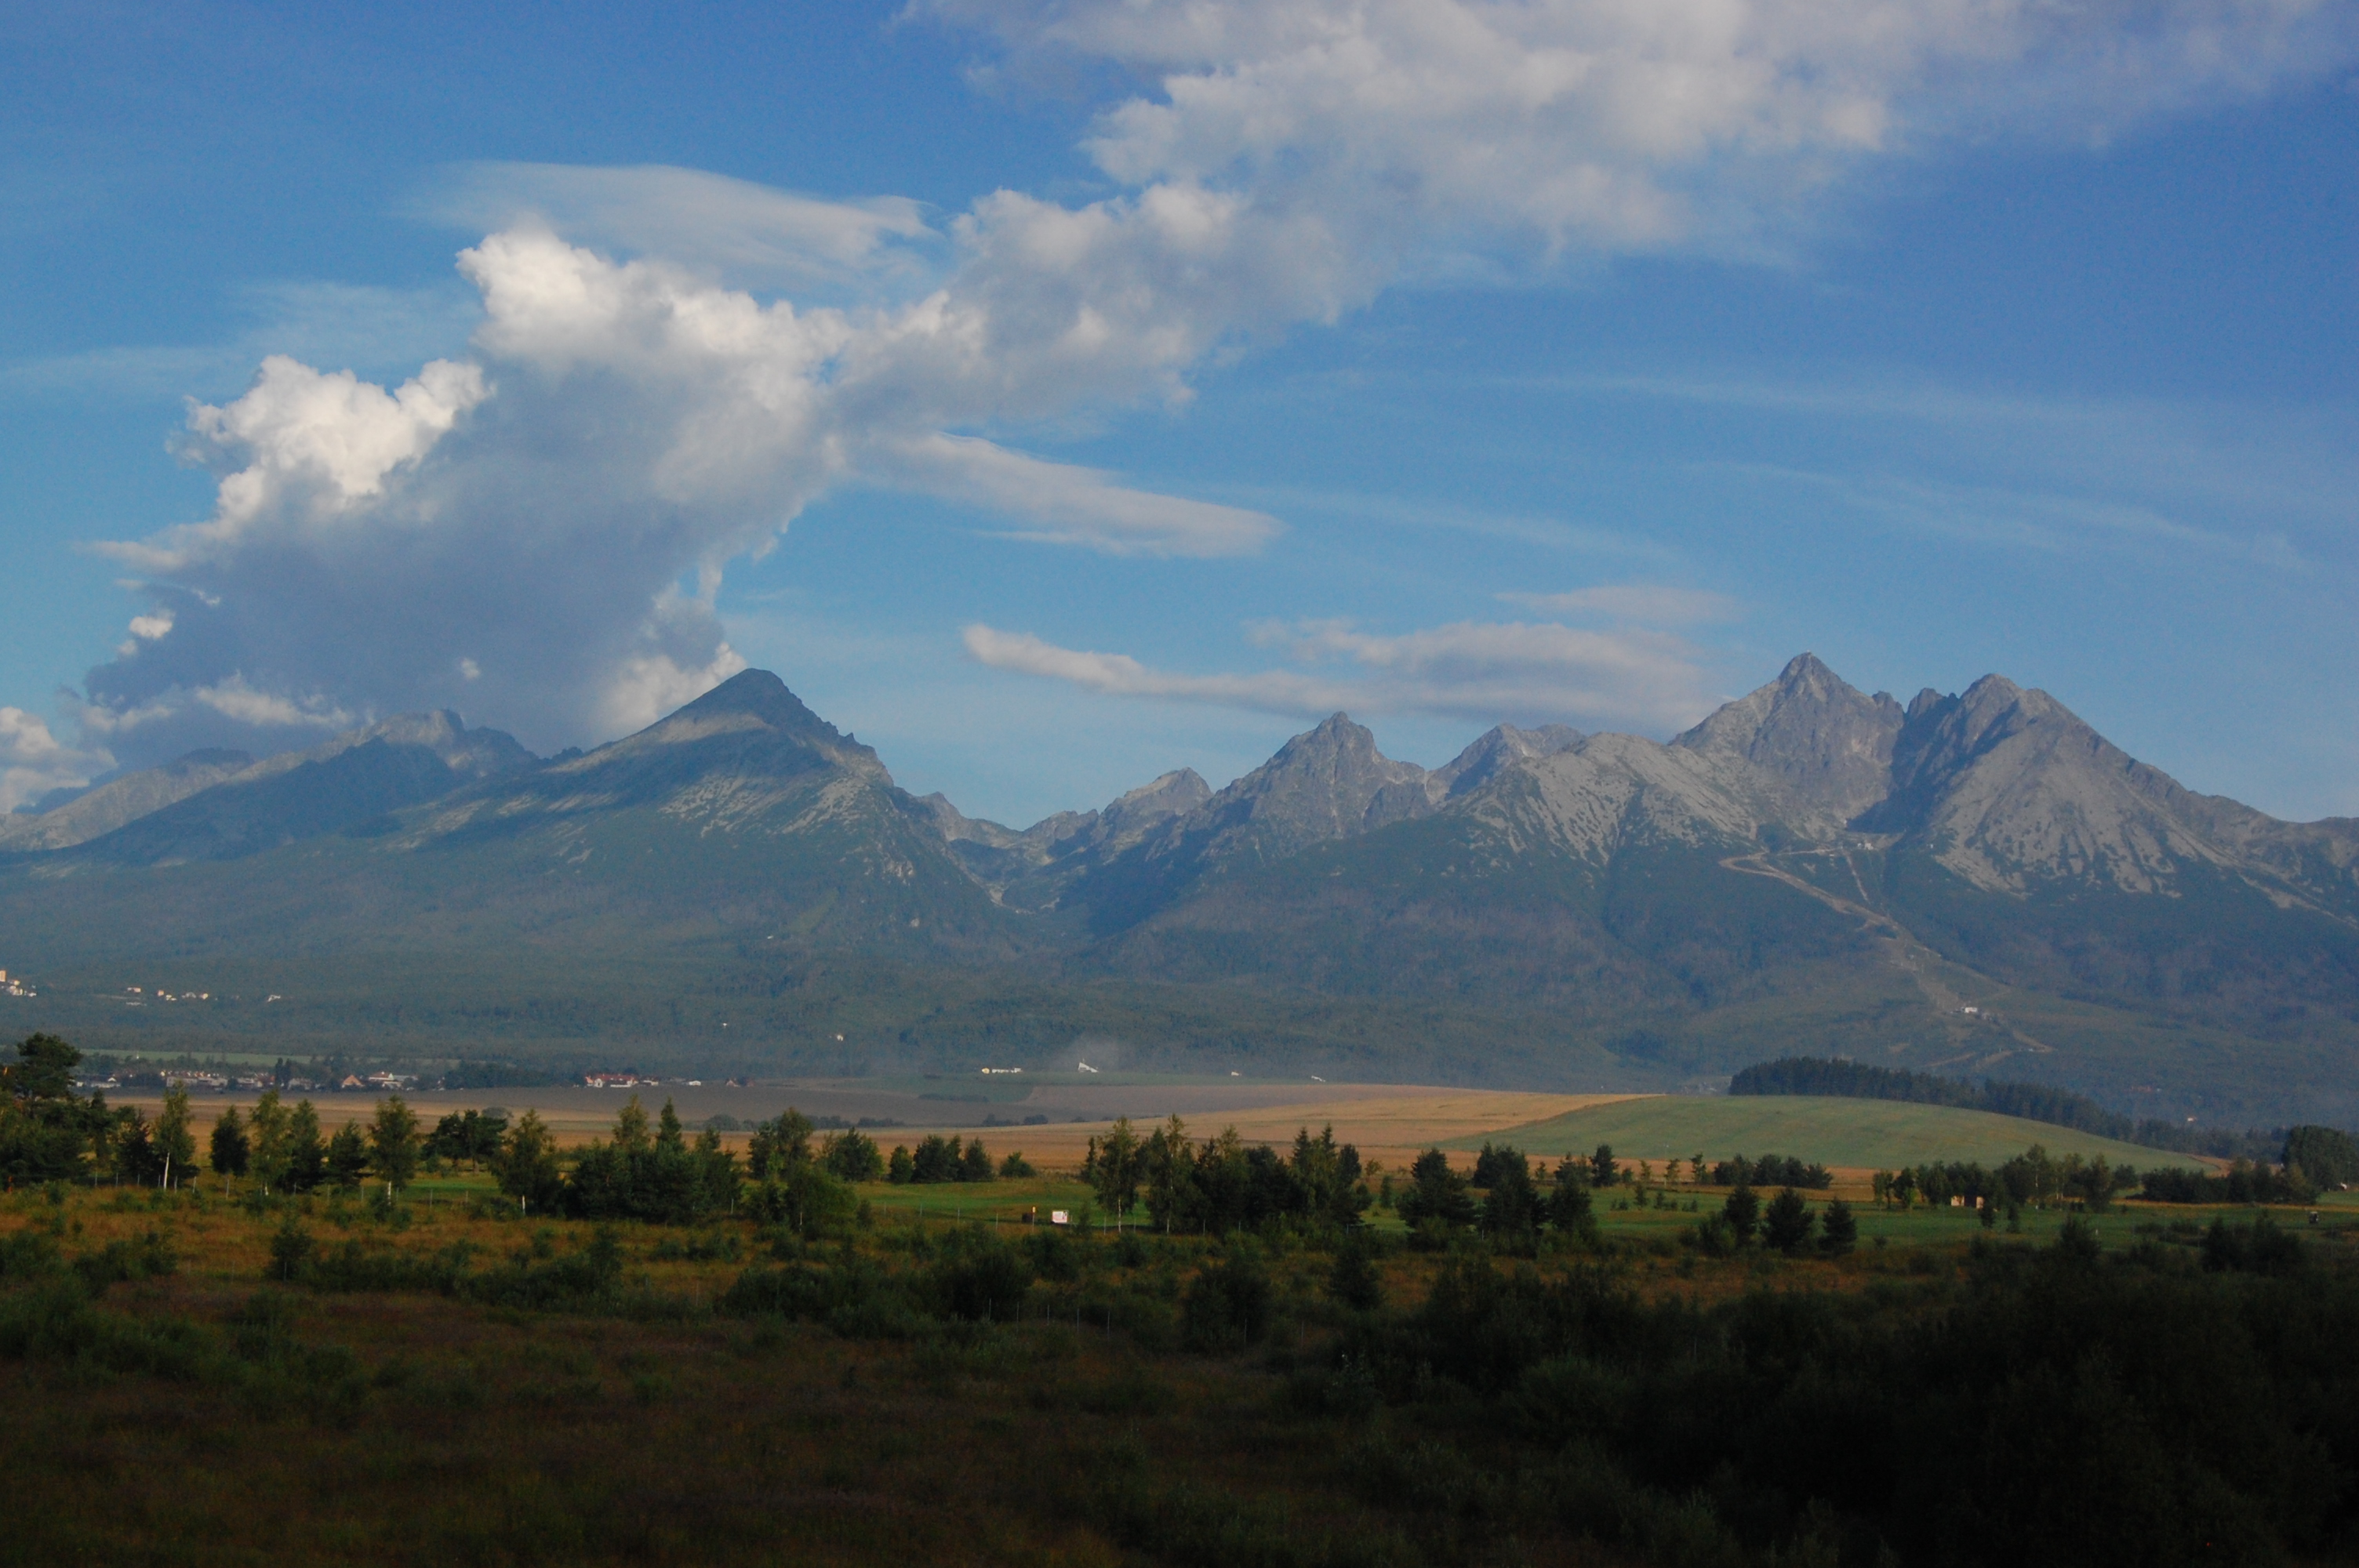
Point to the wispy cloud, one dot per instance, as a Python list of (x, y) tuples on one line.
[(2043, 521), (1485, 671), (1652, 604), (1062, 504), (749, 232)]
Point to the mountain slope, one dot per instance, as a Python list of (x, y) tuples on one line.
[(302, 794), (1033, 869), (741, 815), (121, 800), (1328, 782)]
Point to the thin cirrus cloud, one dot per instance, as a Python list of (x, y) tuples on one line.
[(1653, 603), (752, 232), (514, 524), (1484, 671)]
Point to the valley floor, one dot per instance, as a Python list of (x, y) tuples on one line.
[(443, 1382)]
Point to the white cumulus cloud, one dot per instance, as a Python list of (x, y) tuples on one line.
[(34, 762), (515, 527), (1440, 124)]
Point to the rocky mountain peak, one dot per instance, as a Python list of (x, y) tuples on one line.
[(761, 694), (1823, 746), (761, 719), (1321, 784), (1496, 751), (1173, 795)]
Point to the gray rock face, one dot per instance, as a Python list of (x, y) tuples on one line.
[(1821, 748), (1141, 811), (1329, 782), (2013, 791), (1496, 751), (748, 756), (1032, 869)]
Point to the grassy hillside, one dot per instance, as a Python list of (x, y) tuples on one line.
[(1879, 1134)]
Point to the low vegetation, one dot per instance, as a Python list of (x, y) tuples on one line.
[(1234, 1353)]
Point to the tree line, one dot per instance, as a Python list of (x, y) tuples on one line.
[(1839, 1078), (49, 1132), (1224, 1185), (936, 1159)]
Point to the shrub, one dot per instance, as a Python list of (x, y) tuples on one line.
[(2257, 1246), (980, 1278), (1353, 1278), (290, 1252), (1227, 1305)]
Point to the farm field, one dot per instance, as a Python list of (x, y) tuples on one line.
[(1050, 1123), (1846, 1135)]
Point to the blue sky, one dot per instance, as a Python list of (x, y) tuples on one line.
[(1054, 394)]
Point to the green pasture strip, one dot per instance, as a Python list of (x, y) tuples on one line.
[(1005, 1202), (2122, 1225), (1860, 1134)]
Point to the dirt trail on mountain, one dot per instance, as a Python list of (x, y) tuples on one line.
[(1898, 947)]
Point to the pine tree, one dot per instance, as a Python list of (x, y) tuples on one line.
[(347, 1158), (1787, 1222), (631, 1128), (1838, 1230), (1743, 1212), (306, 1154), (230, 1148)]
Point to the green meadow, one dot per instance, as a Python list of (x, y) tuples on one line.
[(1857, 1133)]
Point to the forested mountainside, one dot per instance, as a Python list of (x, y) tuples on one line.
[(1960, 883)]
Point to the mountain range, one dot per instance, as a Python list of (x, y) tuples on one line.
[(1974, 882)]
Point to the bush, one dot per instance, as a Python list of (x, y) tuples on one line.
[(1353, 1278), (856, 1299), (1227, 1305), (2257, 1246), (980, 1278), (290, 1252), (852, 1156)]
